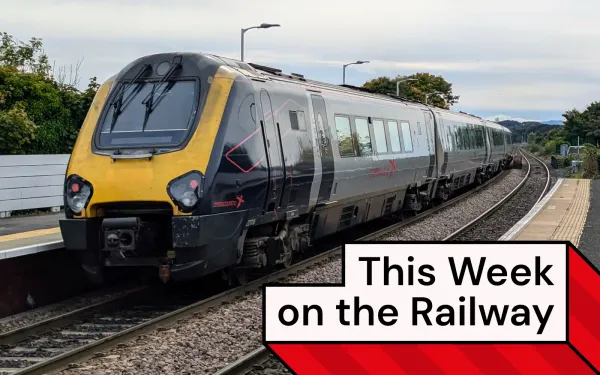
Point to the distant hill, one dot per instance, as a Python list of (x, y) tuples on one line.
[(520, 130), (553, 122)]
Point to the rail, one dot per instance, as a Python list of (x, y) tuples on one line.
[(495, 207), (88, 350)]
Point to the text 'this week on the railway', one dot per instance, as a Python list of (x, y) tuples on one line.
[(429, 292)]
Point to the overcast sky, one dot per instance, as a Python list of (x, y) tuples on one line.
[(529, 59)]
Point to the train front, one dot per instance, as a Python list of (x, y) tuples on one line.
[(136, 177)]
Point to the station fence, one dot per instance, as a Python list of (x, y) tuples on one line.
[(31, 182)]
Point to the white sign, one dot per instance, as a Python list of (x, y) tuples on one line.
[(442, 292)]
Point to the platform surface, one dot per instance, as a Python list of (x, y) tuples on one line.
[(560, 216), (25, 235), (20, 224)]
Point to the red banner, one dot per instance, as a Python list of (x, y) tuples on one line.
[(551, 321)]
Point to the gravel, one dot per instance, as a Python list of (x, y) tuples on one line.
[(438, 226), (501, 221), (272, 366), (201, 344), (26, 318), (209, 341)]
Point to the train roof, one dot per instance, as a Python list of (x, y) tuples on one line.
[(274, 74)]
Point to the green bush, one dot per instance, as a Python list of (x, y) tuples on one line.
[(17, 131), (534, 148), (589, 165), (57, 109)]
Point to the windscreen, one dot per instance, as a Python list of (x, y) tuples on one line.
[(150, 114)]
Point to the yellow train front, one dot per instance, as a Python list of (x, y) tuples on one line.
[(136, 189)]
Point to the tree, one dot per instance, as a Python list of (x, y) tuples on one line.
[(25, 57), (50, 101), (585, 125), (424, 83), (17, 131)]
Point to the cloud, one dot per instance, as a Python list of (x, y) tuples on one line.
[(500, 55)]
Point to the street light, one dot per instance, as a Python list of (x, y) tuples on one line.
[(354, 63), (400, 81), (261, 26), (433, 93)]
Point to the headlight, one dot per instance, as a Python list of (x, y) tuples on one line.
[(186, 190), (78, 193)]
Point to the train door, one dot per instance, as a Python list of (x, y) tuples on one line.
[(275, 160), (444, 144), (431, 134), (488, 148), (325, 151)]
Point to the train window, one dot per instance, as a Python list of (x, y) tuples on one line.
[(456, 138), (344, 135), (472, 136), (363, 137), (169, 123), (406, 136), (468, 136), (394, 136), (297, 120), (380, 138), (459, 137), (294, 120), (449, 137)]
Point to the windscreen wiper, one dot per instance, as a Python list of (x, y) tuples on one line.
[(148, 101), (118, 102)]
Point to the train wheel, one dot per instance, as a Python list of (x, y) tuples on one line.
[(445, 194), (478, 179), (237, 276)]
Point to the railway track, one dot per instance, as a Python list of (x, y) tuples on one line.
[(260, 356), (54, 344)]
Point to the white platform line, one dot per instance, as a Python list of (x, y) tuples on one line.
[(516, 229), (31, 249)]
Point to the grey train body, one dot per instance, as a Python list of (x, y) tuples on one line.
[(351, 157)]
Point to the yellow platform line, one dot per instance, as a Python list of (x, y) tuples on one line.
[(32, 233), (572, 223)]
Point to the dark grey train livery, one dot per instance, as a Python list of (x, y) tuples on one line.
[(248, 165)]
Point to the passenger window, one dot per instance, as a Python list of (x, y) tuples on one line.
[(380, 139), (472, 136), (294, 120), (394, 135), (344, 135), (301, 120), (406, 136), (363, 137)]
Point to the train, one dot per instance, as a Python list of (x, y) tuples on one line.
[(190, 164)]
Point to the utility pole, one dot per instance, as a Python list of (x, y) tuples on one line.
[(261, 26), (344, 69), (400, 81)]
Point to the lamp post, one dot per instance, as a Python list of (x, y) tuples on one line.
[(400, 81), (261, 26), (354, 63), (433, 93)]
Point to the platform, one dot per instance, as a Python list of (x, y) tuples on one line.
[(24, 235), (560, 216)]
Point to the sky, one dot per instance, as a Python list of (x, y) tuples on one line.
[(525, 59)]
